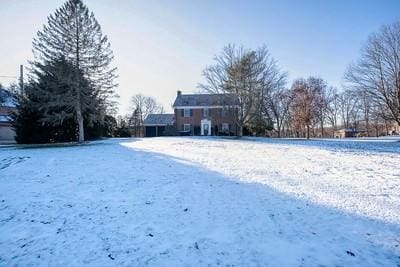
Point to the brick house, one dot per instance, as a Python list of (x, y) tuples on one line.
[(206, 114), (394, 128)]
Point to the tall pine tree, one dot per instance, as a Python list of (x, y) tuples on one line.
[(73, 40)]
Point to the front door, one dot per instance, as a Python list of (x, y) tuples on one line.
[(205, 127)]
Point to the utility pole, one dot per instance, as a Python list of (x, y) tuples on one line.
[(21, 77)]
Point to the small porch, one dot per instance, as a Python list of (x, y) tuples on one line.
[(205, 127)]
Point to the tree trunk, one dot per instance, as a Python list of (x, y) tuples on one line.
[(386, 127), (278, 128), (81, 130), (322, 128), (308, 131), (79, 117), (240, 133)]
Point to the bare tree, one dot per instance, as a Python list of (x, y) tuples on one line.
[(366, 105), (146, 105), (378, 119), (278, 105), (141, 107), (350, 108), (377, 72), (247, 74), (273, 81), (319, 90), (306, 104), (232, 73), (333, 108)]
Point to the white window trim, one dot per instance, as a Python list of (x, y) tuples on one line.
[(227, 127), (185, 125), (186, 112), (206, 112)]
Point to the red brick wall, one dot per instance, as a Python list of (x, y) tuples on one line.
[(215, 115)]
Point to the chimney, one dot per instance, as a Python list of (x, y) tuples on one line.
[(178, 93)]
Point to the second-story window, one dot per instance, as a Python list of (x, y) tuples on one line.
[(225, 112), (205, 112), (187, 112)]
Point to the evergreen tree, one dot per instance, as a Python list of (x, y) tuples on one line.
[(110, 126), (26, 122), (73, 47), (136, 123), (44, 108)]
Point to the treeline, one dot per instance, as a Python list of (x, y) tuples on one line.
[(310, 107), (141, 106)]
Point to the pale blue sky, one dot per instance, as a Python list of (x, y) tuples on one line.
[(163, 46)]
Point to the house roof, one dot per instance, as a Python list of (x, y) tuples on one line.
[(204, 100), (6, 99), (159, 119), (351, 130), (4, 118)]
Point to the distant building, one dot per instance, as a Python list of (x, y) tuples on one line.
[(394, 128), (7, 107), (158, 124), (349, 132), (206, 114)]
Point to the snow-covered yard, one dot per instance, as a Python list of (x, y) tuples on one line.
[(199, 202)]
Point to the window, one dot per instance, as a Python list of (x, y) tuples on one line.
[(187, 113), (186, 127), (205, 112), (225, 112), (225, 127)]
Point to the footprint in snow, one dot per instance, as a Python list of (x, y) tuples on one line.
[(350, 253), (7, 162)]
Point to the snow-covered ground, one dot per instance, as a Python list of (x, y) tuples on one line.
[(202, 202)]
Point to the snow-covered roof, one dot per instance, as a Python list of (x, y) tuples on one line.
[(159, 119), (6, 99), (4, 118)]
